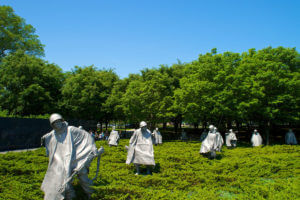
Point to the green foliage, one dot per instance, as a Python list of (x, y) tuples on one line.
[(16, 34), (268, 81), (29, 85), (270, 172), (150, 96), (85, 91)]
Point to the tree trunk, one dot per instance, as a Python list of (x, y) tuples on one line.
[(268, 127), (106, 124), (196, 125), (164, 125)]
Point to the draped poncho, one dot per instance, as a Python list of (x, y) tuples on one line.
[(211, 142), (290, 138), (113, 138), (158, 137), (230, 137), (256, 139), (141, 148), (68, 151)]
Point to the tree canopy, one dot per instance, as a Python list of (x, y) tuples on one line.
[(29, 85), (15, 34)]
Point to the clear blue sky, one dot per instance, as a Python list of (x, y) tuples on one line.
[(130, 35)]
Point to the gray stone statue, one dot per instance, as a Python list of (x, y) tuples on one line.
[(256, 139), (211, 143), (158, 136), (183, 135), (114, 137), (220, 140), (231, 139), (70, 152), (290, 137), (140, 150)]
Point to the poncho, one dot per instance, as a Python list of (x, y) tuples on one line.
[(140, 149), (256, 139), (220, 141), (230, 137), (290, 138), (158, 137), (113, 138), (211, 142), (68, 151)]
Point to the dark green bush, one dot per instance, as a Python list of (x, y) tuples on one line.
[(270, 172)]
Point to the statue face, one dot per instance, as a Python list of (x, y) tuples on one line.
[(58, 124), (144, 128)]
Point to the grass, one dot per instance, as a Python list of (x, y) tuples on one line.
[(271, 172)]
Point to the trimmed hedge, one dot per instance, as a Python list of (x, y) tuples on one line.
[(270, 172)]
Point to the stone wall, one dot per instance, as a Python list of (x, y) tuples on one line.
[(20, 133)]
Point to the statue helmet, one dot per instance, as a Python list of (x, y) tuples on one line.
[(230, 130), (142, 124), (54, 117), (211, 126)]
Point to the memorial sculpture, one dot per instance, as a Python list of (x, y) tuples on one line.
[(140, 150), (70, 151), (113, 139), (210, 144), (220, 140), (290, 137), (203, 135), (157, 136), (231, 139), (256, 139), (183, 135)]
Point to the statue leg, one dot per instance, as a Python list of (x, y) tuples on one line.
[(84, 181), (149, 170), (70, 192), (213, 154), (137, 166)]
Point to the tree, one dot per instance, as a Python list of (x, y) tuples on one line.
[(15, 34), (205, 93), (29, 85), (268, 83), (145, 97), (85, 91)]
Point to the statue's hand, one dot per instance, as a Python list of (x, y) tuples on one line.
[(101, 150), (43, 141)]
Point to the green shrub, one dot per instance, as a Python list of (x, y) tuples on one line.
[(270, 172)]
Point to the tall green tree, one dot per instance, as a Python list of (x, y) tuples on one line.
[(15, 34), (268, 83), (144, 98), (29, 85), (205, 93), (85, 92)]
